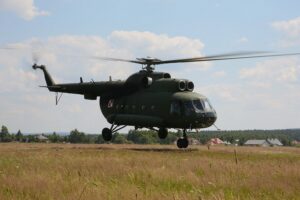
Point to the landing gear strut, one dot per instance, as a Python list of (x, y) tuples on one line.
[(183, 141), (107, 133)]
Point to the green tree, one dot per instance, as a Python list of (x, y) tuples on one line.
[(77, 137), (142, 137), (4, 134), (55, 138), (99, 139), (30, 138), (19, 136), (119, 139)]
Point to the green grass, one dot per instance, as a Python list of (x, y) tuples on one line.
[(65, 171)]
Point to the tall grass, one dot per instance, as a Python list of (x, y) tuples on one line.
[(64, 171)]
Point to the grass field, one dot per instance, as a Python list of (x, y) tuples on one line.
[(66, 171)]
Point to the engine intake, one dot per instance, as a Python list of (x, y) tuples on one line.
[(190, 86), (147, 81), (181, 85)]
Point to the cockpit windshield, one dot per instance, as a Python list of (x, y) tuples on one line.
[(188, 108), (206, 104), (197, 106)]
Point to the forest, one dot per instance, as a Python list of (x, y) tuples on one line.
[(286, 136)]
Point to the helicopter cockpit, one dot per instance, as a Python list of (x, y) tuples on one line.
[(197, 106), (198, 112), (191, 107)]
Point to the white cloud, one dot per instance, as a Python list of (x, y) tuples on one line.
[(243, 40), (290, 27), (290, 30), (219, 74), (264, 96), (245, 105), (285, 69), (226, 92), (160, 46), (24, 8)]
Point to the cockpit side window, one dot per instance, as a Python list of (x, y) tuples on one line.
[(175, 108), (188, 108)]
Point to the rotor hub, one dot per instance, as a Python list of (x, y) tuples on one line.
[(149, 63)]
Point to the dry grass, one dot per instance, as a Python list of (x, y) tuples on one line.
[(65, 171)]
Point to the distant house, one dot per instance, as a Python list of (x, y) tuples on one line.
[(274, 142), (227, 143), (295, 142), (193, 141), (42, 138), (215, 141), (263, 143)]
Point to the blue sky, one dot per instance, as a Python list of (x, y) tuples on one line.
[(247, 94)]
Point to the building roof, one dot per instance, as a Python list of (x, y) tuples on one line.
[(255, 142), (216, 141), (226, 142), (274, 141), (193, 141), (41, 137)]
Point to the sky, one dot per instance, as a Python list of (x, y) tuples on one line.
[(64, 34)]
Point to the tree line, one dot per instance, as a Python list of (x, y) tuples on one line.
[(150, 137)]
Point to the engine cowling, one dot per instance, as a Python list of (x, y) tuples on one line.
[(145, 79)]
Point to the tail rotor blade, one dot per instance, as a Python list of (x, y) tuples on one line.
[(35, 57)]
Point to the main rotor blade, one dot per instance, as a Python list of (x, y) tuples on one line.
[(225, 57), (118, 59), (233, 54)]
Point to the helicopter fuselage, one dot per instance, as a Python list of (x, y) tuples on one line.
[(163, 109), (159, 101)]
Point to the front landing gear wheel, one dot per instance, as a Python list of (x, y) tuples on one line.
[(162, 133), (182, 143), (106, 134)]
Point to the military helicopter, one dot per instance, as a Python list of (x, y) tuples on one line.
[(150, 99)]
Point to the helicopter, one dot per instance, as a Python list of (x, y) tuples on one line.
[(150, 99)]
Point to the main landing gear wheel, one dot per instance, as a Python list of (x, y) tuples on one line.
[(106, 134), (162, 133), (183, 141)]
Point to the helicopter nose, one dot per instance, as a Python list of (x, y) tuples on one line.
[(207, 119), (210, 117)]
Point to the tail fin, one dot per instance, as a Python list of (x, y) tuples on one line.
[(48, 78)]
